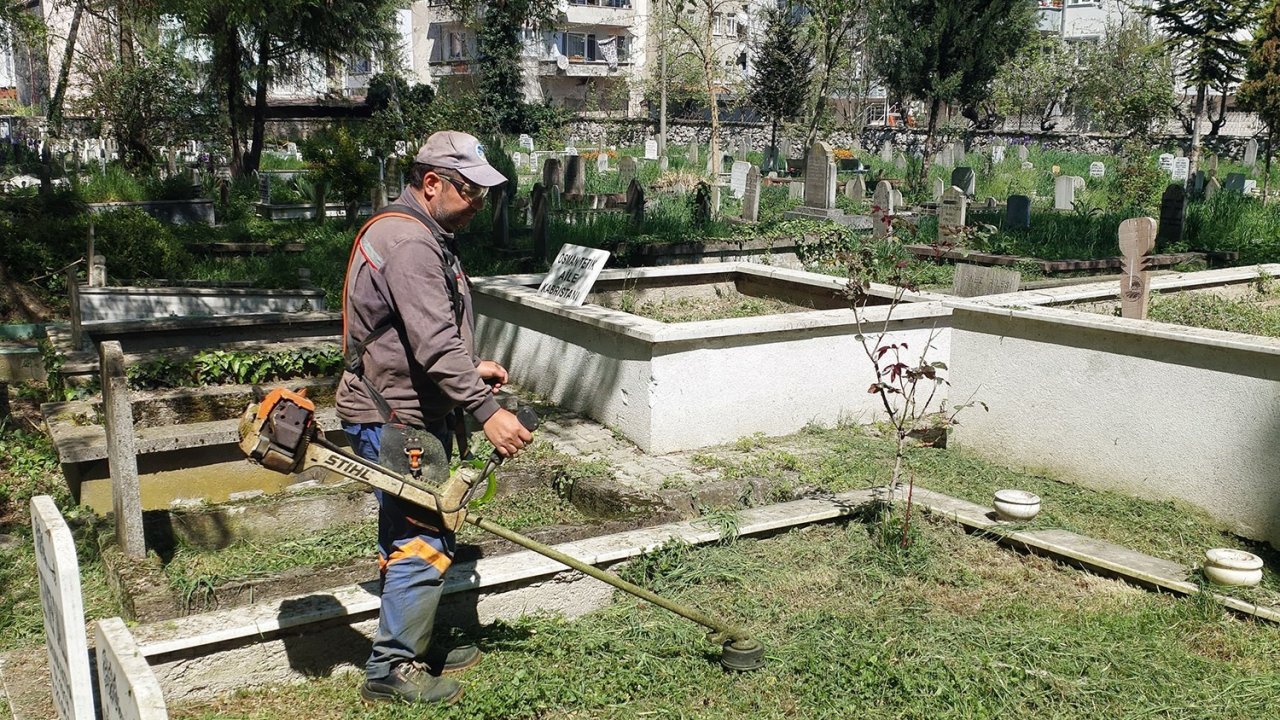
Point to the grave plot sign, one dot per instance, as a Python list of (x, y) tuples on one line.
[(129, 689), (63, 605), (573, 273)]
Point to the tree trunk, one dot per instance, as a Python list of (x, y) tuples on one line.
[(708, 66), (772, 151), (263, 79), (1201, 91), (64, 72), (935, 106), (233, 86), (1266, 164)]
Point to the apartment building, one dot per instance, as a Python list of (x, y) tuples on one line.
[(592, 61)]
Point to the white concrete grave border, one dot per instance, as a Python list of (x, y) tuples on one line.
[(671, 387)]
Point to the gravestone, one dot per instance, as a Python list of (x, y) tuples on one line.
[(1235, 182), (552, 174), (977, 280), (1097, 170), (571, 148), (1173, 214), (1064, 192), (850, 191), (122, 454), (1022, 153), (635, 202), (1211, 188), (572, 274), (1177, 153), (575, 178), (857, 188), (1250, 187), (951, 214), (1137, 239), (701, 204), (626, 170), (882, 210), (741, 154), (751, 195), (795, 190), (713, 201), (965, 179), (886, 152), (58, 574), (664, 164), (1251, 152), (771, 159), (1181, 168), (692, 154), (939, 187), (538, 204), (518, 158), (991, 203), (128, 689), (897, 199), (820, 178), (899, 161), (1197, 182), (1077, 181), (1027, 166), (945, 157), (1165, 162), (738, 178), (526, 142), (650, 149), (997, 154), (264, 188), (1212, 164), (602, 162)]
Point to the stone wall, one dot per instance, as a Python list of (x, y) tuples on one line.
[(633, 132)]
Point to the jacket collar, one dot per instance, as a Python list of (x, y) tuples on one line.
[(413, 199)]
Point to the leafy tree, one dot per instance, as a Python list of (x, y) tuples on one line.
[(152, 102), (1204, 36), (1037, 81), (256, 43), (694, 22), (1127, 50), (945, 51), (341, 164), (783, 64), (831, 28), (1260, 91)]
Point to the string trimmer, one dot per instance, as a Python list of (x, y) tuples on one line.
[(281, 434)]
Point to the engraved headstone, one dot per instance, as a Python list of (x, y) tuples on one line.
[(945, 158), (1064, 192), (1097, 169), (1027, 166), (1250, 187), (1022, 153), (1181, 168), (1235, 182), (897, 199), (626, 170), (552, 173), (127, 686), (882, 210), (58, 573), (820, 177), (1173, 214), (526, 142), (1165, 162), (997, 154), (264, 188), (518, 159), (751, 195), (795, 190), (1137, 239), (886, 152), (738, 178), (965, 179), (602, 162), (575, 176), (1197, 182), (650, 149), (664, 164), (856, 188), (976, 280), (1251, 152), (573, 273), (951, 214), (939, 187)]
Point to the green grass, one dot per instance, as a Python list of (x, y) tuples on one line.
[(727, 304), (964, 629), (1246, 314)]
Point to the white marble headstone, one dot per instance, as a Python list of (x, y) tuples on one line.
[(997, 154), (1097, 170), (650, 149), (738, 178), (1165, 161), (59, 577), (526, 142), (1180, 169), (128, 688)]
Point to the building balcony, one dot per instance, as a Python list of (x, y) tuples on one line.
[(586, 15), (1049, 20), (441, 68), (579, 68)]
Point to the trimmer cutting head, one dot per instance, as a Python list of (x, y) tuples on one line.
[(742, 655)]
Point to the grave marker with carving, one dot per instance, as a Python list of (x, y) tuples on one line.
[(1137, 239)]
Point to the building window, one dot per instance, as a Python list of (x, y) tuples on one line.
[(361, 66), (724, 25), (584, 47)]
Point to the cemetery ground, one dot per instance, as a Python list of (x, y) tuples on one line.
[(952, 625)]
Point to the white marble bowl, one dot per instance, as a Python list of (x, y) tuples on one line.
[(1016, 504), (1225, 566)]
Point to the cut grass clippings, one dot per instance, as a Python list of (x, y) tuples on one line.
[(725, 304), (966, 629)]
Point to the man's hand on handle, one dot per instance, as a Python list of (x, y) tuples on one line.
[(492, 373), (506, 433)]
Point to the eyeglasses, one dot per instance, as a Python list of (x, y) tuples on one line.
[(470, 193)]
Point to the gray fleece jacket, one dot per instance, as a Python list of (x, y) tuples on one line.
[(425, 365)]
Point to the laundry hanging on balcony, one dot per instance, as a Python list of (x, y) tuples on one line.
[(608, 49)]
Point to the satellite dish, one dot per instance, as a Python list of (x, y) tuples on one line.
[(562, 62)]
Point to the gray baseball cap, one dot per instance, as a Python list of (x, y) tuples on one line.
[(462, 152)]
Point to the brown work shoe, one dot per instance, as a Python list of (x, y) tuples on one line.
[(463, 657), (411, 682)]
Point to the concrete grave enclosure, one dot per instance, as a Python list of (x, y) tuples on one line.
[(670, 387)]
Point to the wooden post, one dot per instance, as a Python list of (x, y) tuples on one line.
[(1137, 238)]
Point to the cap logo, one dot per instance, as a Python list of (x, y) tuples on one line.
[(479, 151)]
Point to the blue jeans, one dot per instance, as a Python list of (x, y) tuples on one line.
[(413, 556)]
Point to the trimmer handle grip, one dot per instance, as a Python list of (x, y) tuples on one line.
[(528, 418)]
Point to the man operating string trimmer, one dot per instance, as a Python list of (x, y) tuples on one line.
[(408, 338)]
